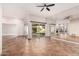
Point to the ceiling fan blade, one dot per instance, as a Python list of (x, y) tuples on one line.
[(42, 5), (42, 9), (39, 6), (50, 5), (67, 17), (48, 9)]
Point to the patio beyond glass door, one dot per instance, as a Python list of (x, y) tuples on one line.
[(38, 30)]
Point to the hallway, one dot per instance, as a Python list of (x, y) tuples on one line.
[(38, 47)]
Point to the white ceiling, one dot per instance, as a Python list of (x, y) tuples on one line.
[(23, 9)]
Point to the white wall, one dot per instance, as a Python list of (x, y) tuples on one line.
[(9, 29), (12, 27), (73, 27), (0, 29)]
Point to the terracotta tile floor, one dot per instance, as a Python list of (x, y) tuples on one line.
[(20, 46)]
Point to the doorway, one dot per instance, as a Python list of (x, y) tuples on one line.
[(38, 29)]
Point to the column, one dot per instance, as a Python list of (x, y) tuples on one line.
[(29, 30), (47, 30), (0, 38)]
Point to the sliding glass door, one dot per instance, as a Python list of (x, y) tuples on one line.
[(38, 29)]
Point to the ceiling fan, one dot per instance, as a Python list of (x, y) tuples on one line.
[(69, 17), (46, 6)]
